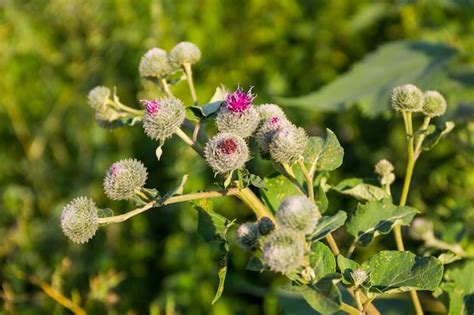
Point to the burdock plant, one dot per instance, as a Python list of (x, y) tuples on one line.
[(292, 234)]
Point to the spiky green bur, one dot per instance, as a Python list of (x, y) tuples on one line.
[(184, 52), (288, 144), (265, 225), (283, 250), (240, 123), (124, 179), (79, 220), (359, 276), (226, 152), (266, 131), (267, 111), (247, 235), (155, 63), (98, 97), (163, 117), (406, 98), (434, 105), (298, 213), (384, 169)]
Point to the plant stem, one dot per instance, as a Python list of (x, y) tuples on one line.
[(171, 200), (358, 300), (283, 169), (332, 243), (180, 133), (189, 78), (309, 181), (251, 200), (407, 118), (166, 88), (349, 309), (124, 108), (421, 137)]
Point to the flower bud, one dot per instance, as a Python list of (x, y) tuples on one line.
[(406, 98), (265, 225), (359, 276), (298, 213), (124, 179), (384, 169), (79, 220), (421, 229), (226, 152), (266, 131), (288, 144), (155, 64), (184, 52), (283, 250), (238, 115), (163, 117), (247, 236), (267, 111), (434, 104), (98, 97)]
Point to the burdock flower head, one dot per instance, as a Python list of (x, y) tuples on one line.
[(184, 52), (238, 116), (162, 117), (298, 213), (247, 235), (384, 169), (79, 220), (98, 97), (265, 225), (406, 98), (155, 64), (434, 105), (283, 250), (226, 152), (359, 276), (124, 179), (268, 111), (288, 144), (266, 131)]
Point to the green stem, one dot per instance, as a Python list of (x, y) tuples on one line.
[(407, 118), (166, 88), (349, 309), (180, 133), (283, 169), (251, 200), (189, 78), (309, 181), (358, 300), (171, 200), (125, 108), (421, 137)]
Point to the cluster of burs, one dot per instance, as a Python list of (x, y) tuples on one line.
[(282, 242)]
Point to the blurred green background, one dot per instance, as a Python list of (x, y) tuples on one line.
[(51, 150)]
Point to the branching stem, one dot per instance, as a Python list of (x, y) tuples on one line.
[(189, 77)]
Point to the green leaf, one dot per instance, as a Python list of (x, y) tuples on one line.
[(433, 139), (370, 81), (448, 258), (347, 267), (395, 271), (276, 189), (328, 224), (322, 200), (323, 154), (377, 217), (321, 260), (255, 264), (222, 272), (211, 225), (211, 108), (324, 296), (459, 284), (360, 189)]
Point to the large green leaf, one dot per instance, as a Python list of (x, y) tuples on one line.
[(395, 271), (321, 260), (324, 296), (360, 189), (370, 81), (328, 224), (460, 287), (276, 189), (323, 154), (377, 217)]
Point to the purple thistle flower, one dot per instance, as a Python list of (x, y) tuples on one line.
[(239, 101), (151, 106)]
